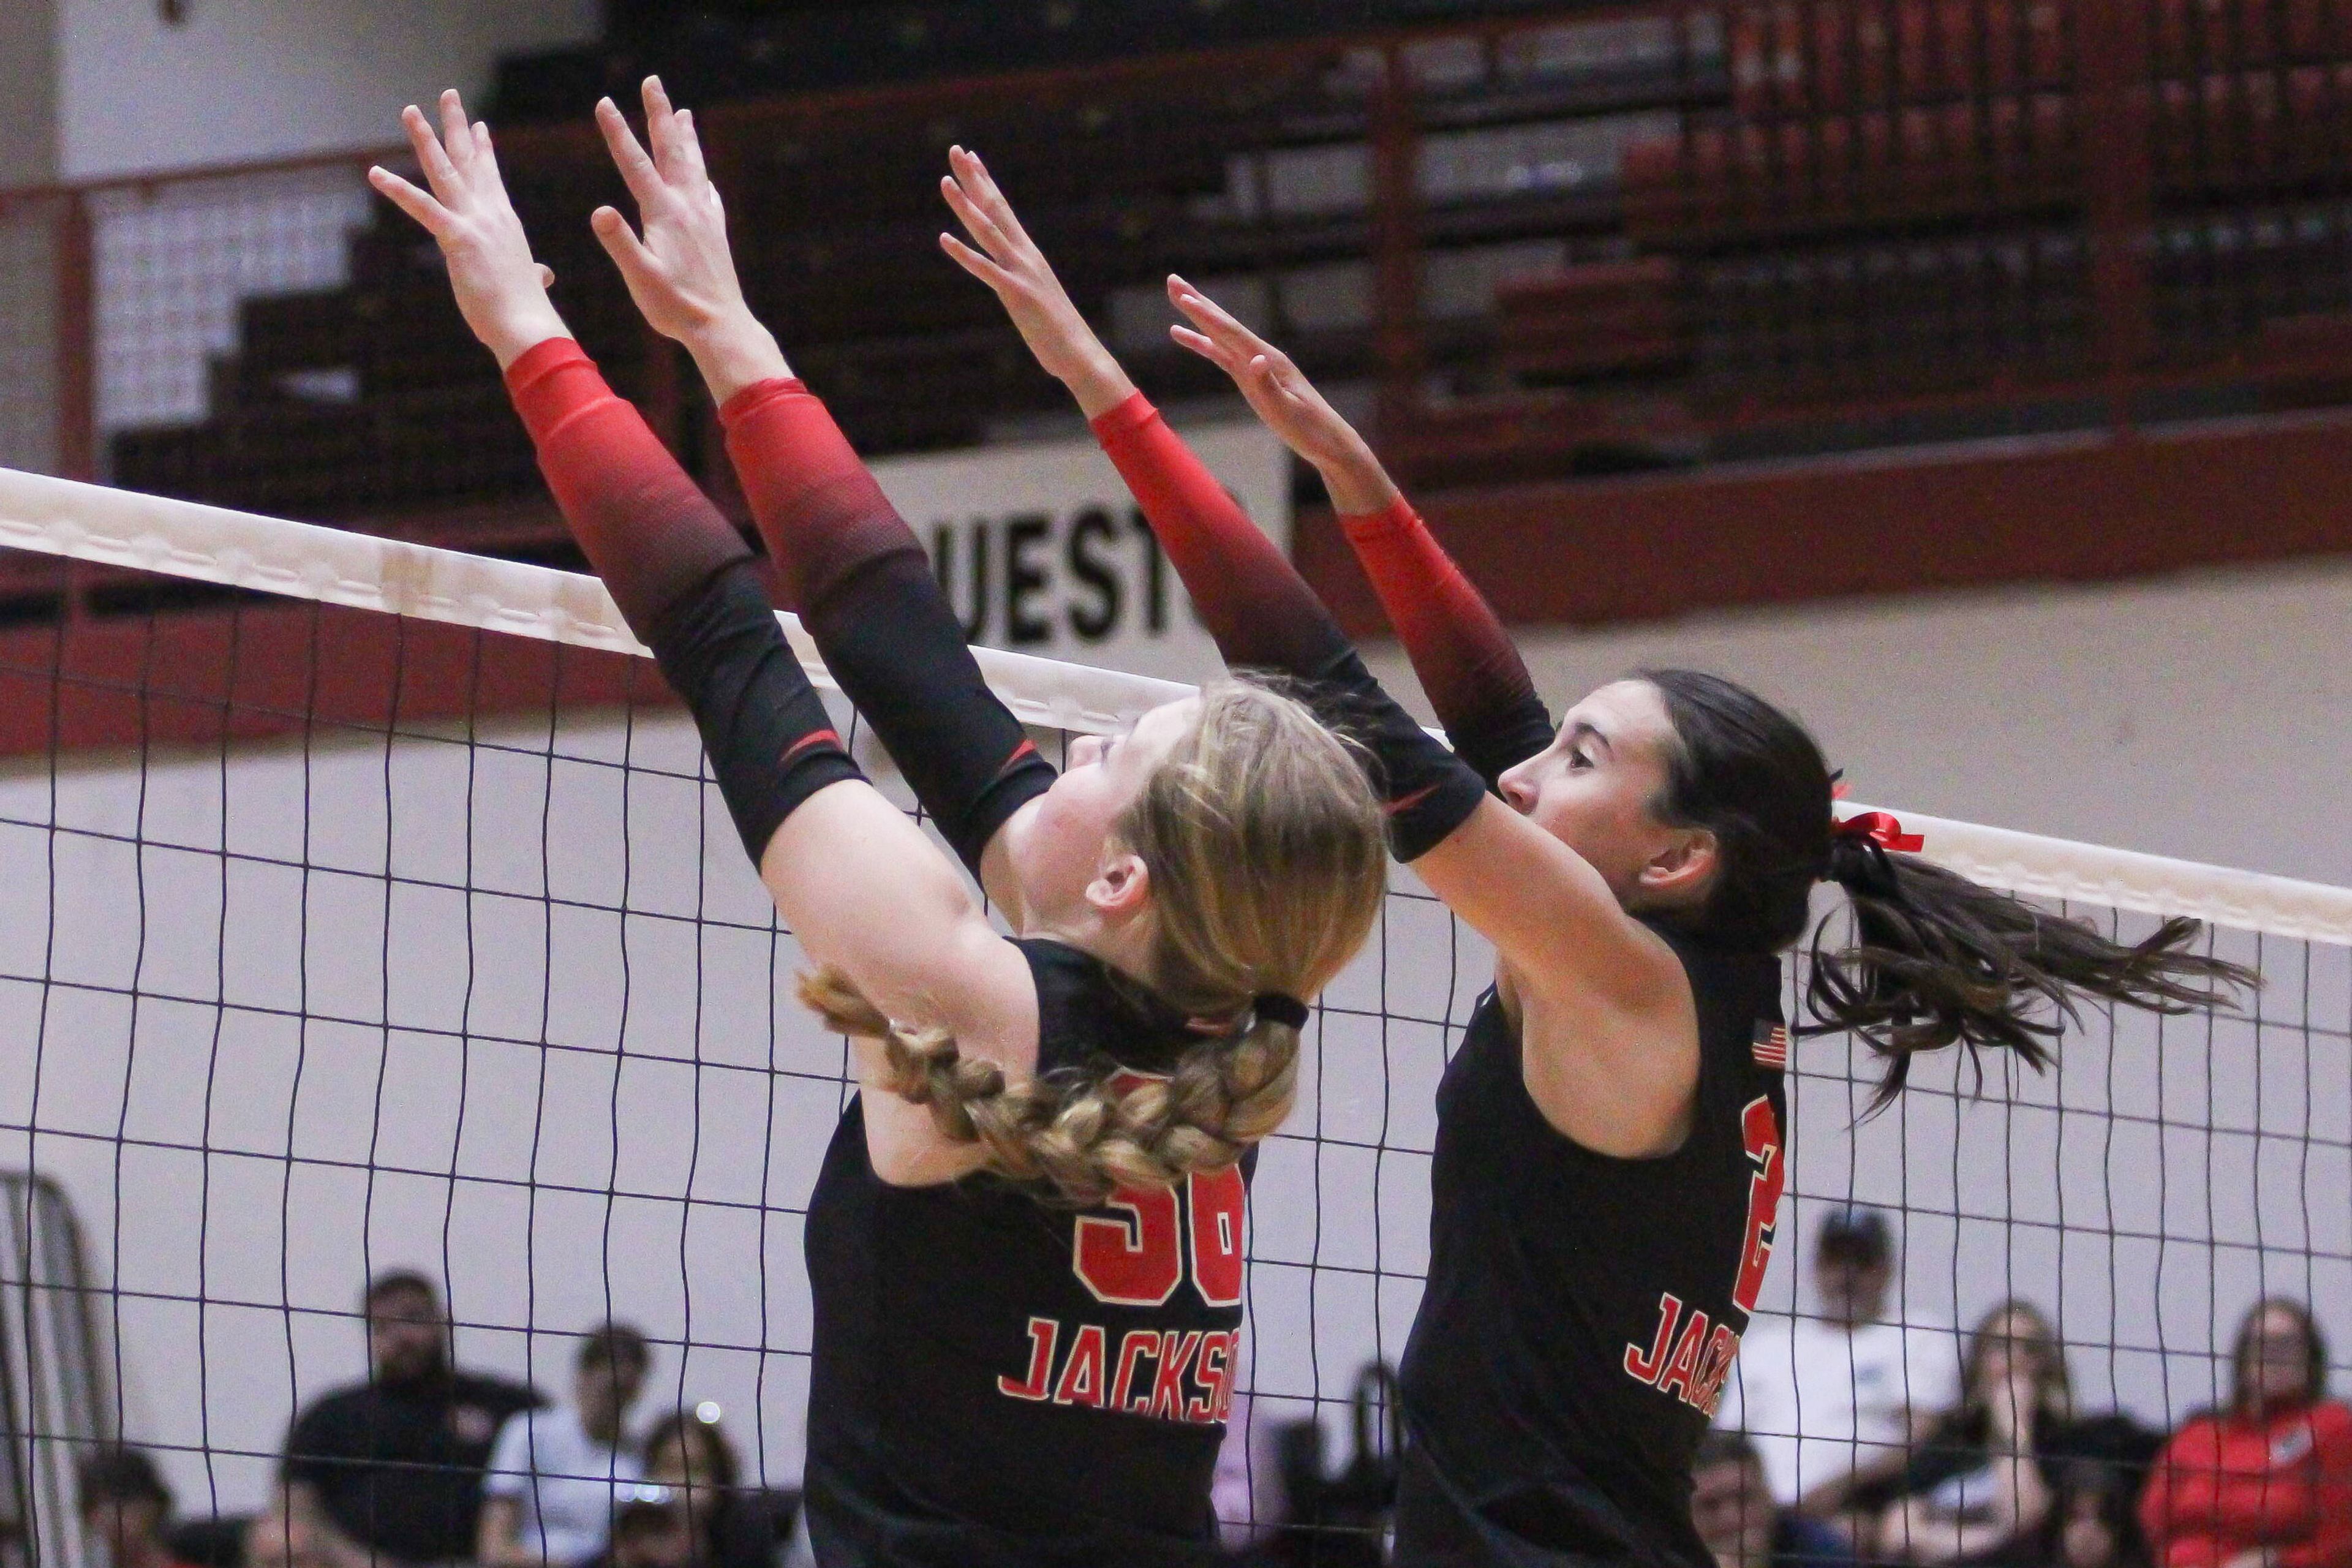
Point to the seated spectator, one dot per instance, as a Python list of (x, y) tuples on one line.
[(1742, 1522), (1829, 1398), (557, 1476), (735, 1526), (125, 1508), (2266, 1482), (1979, 1480), (389, 1472), (2095, 1520), (651, 1529)]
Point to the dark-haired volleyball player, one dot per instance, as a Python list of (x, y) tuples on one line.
[(1024, 1244), (1610, 1135)]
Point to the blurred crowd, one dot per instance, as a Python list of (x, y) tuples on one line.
[(1846, 1438), (425, 1465)]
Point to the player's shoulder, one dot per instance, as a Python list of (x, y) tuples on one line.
[(497, 1394), (2331, 1422), (335, 1411)]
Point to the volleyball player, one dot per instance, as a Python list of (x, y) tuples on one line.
[(1024, 1244), (1611, 1145)]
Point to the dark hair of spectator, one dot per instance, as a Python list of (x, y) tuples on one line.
[(690, 1429), (2315, 1383), (1723, 1446), (2053, 1387), (118, 1475), (615, 1345), (401, 1283), (2116, 1485), (1856, 1233)]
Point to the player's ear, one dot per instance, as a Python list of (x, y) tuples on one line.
[(1684, 866), (1121, 886)]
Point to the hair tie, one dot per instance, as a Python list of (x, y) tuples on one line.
[(1280, 1007), (1882, 828)]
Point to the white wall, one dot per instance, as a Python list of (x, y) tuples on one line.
[(243, 79), (456, 1101)]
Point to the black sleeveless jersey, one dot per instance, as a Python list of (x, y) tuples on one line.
[(1582, 1311), (1000, 1379)]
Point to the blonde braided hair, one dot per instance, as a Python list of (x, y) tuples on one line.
[(1266, 851)]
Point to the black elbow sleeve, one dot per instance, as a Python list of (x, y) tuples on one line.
[(770, 743)]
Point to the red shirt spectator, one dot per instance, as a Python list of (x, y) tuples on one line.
[(2266, 1483)]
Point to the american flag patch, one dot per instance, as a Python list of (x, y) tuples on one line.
[(1773, 1046)]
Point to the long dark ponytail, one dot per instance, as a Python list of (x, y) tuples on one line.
[(1936, 959)]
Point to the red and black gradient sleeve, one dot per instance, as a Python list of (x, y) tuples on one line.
[(1262, 614), (864, 590), (1475, 678), (685, 584)]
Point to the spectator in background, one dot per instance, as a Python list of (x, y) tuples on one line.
[(557, 1476), (1829, 1400), (389, 1472), (1980, 1478), (2093, 1521), (735, 1526), (1741, 1521), (653, 1530), (125, 1508), (2267, 1482)]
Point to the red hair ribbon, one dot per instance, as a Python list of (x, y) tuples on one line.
[(1882, 828)]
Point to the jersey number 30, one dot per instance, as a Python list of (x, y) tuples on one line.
[(1139, 1257)]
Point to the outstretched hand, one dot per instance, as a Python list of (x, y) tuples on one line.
[(1281, 395), (681, 272), (1011, 264), (501, 291)]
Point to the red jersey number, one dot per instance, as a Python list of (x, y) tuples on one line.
[(1138, 1261), (1761, 1131)]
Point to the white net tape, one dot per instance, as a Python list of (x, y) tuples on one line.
[(210, 545)]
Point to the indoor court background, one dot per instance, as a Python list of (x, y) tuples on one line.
[(283, 1003)]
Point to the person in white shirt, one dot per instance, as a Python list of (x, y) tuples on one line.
[(557, 1477), (1830, 1399)]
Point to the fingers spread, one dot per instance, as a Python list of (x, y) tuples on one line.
[(990, 198), (1225, 356), (973, 262), (1211, 317), (637, 264), (439, 173), (417, 204), (975, 221), (455, 133), (686, 145), (637, 171)]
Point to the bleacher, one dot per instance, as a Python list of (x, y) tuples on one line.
[(1554, 242)]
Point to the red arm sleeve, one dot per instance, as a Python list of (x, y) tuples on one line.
[(1253, 600), (1263, 614), (1474, 676), (865, 590), (682, 580), (649, 531)]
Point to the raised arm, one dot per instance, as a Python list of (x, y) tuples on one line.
[(1602, 986), (851, 565), (859, 884), (1260, 610), (1474, 676)]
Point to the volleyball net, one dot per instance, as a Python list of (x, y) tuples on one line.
[(378, 912)]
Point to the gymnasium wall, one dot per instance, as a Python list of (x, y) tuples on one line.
[(243, 79), (2192, 718)]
